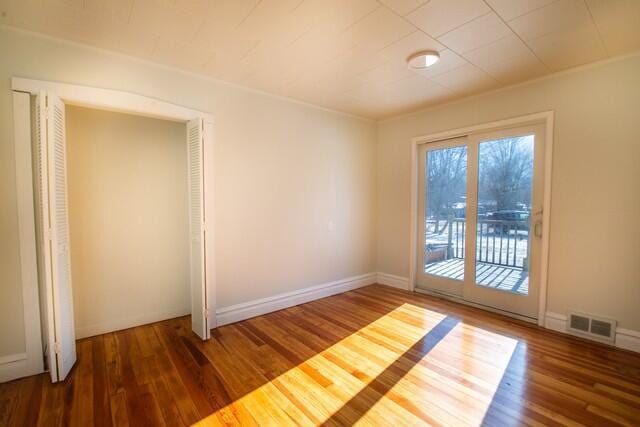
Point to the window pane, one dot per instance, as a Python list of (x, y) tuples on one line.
[(446, 178), (505, 172)]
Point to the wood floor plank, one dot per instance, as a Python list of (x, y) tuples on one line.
[(372, 356), (118, 405), (82, 411), (170, 412), (28, 399), (186, 369), (101, 395)]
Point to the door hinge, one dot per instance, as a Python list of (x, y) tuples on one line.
[(206, 313), (50, 234), (56, 347)]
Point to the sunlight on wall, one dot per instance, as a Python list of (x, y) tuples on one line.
[(431, 368)]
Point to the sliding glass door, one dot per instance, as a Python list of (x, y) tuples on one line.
[(480, 213)]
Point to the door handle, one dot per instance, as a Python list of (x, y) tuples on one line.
[(537, 229)]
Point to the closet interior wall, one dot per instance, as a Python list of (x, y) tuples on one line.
[(128, 214)]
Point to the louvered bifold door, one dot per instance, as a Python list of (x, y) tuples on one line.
[(42, 226), (58, 235), (195, 150)]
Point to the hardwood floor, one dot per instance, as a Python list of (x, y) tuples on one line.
[(376, 356)]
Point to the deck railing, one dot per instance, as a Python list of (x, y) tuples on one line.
[(499, 242)]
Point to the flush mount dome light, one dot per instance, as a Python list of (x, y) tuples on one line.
[(422, 60)]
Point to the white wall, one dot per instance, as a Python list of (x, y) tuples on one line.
[(283, 172), (595, 238), (129, 225)]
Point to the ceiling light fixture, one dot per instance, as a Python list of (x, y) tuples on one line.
[(422, 60)]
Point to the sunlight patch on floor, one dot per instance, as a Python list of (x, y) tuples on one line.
[(401, 368), (459, 377)]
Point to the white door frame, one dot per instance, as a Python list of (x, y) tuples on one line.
[(31, 361), (103, 99), (546, 118)]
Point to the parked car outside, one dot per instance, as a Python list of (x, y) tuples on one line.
[(512, 219)]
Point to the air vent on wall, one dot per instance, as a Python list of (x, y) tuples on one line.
[(593, 327), (600, 328), (579, 323)]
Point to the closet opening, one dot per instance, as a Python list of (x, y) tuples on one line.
[(128, 219), (118, 214)]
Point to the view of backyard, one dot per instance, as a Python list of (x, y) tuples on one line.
[(503, 221)]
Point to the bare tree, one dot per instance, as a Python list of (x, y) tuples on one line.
[(446, 174), (506, 168)]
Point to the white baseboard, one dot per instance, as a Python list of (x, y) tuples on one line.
[(14, 366), (246, 310), (118, 324), (393, 281), (625, 338), (628, 339), (555, 322)]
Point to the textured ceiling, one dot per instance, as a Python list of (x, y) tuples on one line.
[(348, 55)]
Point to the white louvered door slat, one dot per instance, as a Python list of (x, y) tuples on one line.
[(62, 295), (197, 228)]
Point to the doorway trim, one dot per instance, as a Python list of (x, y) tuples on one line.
[(546, 118), (102, 99), (30, 361)]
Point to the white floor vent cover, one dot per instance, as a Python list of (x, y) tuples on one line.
[(593, 327)]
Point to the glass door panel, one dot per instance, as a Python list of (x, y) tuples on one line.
[(505, 172), (445, 212), (442, 200), (505, 192)]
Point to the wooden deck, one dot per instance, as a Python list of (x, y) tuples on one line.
[(508, 279), (373, 356)]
